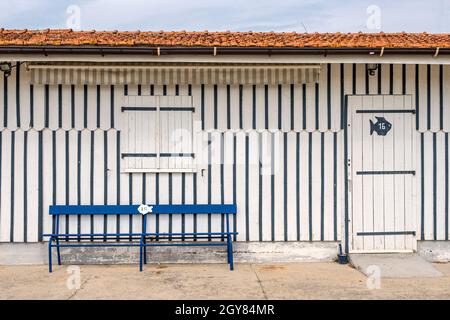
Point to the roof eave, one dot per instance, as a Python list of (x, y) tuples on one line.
[(16, 49)]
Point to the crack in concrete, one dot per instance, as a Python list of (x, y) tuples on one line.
[(259, 282), (77, 290)]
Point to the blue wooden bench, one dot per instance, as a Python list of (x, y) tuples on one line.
[(153, 239), (58, 239)]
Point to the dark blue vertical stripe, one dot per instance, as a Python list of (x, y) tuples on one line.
[(144, 193), (391, 79), (177, 90), (194, 188), (152, 90), (130, 201), (5, 101), (441, 97), (417, 97), (31, 105), (422, 188), (354, 78), (310, 185), (98, 105), (165, 90), (335, 185), (329, 96), (404, 79), (125, 89), (47, 105), (79, 178), (434, 189), (183, 201), (297, 183), (428, 97), (272, 185), (254, 107), (215, 106), (157, 200), (222, 181), (228, 107), (247, 207), (260, 188), (234, 183), (170, 202), (266, 106), (25, 187), (280, 105), (112, 106), (67, 171), (139, 89), (85, 105), (317, 105), (285, 186), (304, 106), (366, 75), (379, 78), (60, 106), (322, 186), (18, 93), (72, 105), (342, 95)]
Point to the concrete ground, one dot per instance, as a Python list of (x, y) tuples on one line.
[(214, 281)]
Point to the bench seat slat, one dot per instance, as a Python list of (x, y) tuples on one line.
[(91, 234), (133, 209), (188, 233)]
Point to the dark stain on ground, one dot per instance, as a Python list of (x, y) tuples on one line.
[(273, 267), (161, 267)]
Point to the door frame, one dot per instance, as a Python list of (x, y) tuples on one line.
[(347, 239)]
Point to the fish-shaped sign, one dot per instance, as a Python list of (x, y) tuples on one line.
[(381, 127)]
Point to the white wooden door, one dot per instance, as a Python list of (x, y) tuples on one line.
[(382, 173)]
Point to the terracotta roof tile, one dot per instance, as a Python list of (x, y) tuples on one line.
[(65, 37)]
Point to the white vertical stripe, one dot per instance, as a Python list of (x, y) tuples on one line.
[(33, 186)]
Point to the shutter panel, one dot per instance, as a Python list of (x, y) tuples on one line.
[(140, 145), (176, 132)]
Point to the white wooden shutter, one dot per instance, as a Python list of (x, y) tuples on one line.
[(158, 134)]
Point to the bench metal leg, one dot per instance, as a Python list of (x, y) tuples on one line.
[(145, 252), (140, 255), (230, 253), (50, 267), (58, 252)]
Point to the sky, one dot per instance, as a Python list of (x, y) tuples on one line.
[(432, 16)]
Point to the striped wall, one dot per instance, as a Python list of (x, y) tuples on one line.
[(60, 144)]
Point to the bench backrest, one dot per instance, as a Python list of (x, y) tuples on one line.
[(133, 209)]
